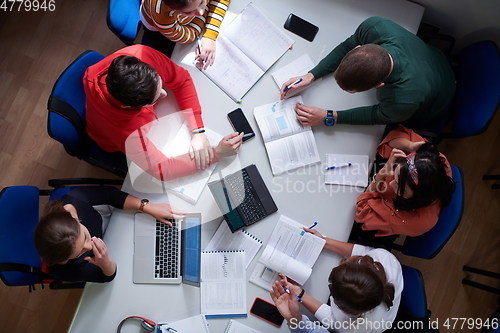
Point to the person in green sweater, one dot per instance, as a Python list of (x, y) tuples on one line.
[(414, 81)]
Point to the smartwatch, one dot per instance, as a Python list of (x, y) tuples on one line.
[(329, 120)]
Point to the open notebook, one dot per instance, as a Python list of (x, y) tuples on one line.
[(246, 49)]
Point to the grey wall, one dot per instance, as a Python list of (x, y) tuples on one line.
[(468, 21)]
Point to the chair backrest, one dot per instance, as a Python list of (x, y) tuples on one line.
[(428, 245), (19, 207), (66, 105), (413, 299), (66, 117), (123, 19), (478, 89)]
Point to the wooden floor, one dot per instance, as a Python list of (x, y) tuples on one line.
[(35, 48)]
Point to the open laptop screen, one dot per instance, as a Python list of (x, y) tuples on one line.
[(191, 249), (226, 205)]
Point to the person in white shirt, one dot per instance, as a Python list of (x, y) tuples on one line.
[(365, 293)]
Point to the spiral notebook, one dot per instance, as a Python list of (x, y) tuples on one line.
[(223, 284), (225, 240)]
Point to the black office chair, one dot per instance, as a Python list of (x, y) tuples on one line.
[(66, 118), (20, 264)]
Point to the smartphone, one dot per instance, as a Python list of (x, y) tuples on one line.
[(267, 311), (301, 27), (240, 123)]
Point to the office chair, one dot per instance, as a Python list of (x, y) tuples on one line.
[(20, 264), (123, 19), (413, 307), (428, 245), (477, 95), (66, 118)]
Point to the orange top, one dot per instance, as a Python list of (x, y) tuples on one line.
[(376, 210)]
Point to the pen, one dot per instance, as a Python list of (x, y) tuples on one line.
[(170, 329), (199, 47), (288, 292), (338, 166), (291, 85), (248, 135), (313, 225)]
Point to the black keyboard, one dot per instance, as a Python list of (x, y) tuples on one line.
[(166, 250), (245, 193)]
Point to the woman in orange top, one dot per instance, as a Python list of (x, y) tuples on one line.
[(408, 193)]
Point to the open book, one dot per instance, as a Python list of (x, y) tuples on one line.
[(289, 144), (223, 284), (190, 187), (290, 251), (246, 49)]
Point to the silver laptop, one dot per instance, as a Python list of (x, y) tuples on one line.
[(167, 254)]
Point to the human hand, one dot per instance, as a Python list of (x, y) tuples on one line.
[(388, 169), (306, 80), (230, 144), (163, 211), (286, 280), (413, 146), (311, 115), (101, 257), (314, 232), (206, 57), (286, 302), (201, 151)]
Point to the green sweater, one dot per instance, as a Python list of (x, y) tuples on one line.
[(420, 87)]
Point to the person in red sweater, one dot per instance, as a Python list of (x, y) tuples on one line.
[(121, 93)]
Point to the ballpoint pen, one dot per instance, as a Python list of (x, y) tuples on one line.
[(338, 166), (292, 84), (248, 135), (313, 225), (199, 48), (288, 292)]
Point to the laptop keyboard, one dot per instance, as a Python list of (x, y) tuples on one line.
[(245, 193), (167, 250)]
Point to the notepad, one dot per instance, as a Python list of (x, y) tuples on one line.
[(196, 324), (190, 187), (289, 144), (354, 175), (223, 285), (291, 251), (236, 327), (246, 49), (298, 67), (225, 240)]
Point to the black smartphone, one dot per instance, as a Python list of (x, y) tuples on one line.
[(301, 27), (267, 311), (240, 123)]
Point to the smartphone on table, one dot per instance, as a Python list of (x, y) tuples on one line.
[(301, 27), (267, 311), (240, 124)]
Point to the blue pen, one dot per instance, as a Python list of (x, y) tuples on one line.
[(170, 329), (291, 85), (313, 225), (288, 292), (338, 166)]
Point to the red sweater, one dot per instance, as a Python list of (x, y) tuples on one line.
[(110, 125)]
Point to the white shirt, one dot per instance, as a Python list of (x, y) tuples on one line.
[(376, 320)]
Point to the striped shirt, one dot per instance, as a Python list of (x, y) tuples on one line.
[(179, 28)]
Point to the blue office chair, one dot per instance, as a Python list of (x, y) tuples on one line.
[(428, 245), (123, 19), (413, 307), (20, 264), (66, 118), (477, 95)]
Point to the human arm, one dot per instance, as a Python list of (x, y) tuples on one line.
[(201, 150), (101, 258), (343, 249), (311, 115), (161, 212), (379, 184)]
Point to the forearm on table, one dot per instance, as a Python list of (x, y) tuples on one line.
[(310, 303), (341, 248)]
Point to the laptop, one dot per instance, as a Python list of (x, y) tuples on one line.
[(167, 254), (243, 197)]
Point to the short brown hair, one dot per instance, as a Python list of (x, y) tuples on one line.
[(360, 285), (363, 68), (56, 233)]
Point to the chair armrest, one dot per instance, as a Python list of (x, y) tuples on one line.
[(56, 183), (61, 285)]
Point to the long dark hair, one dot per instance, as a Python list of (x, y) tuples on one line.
[(433, 182), (56, 233), (360, 285)]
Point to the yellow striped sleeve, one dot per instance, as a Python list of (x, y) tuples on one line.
[(216, 11)]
